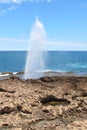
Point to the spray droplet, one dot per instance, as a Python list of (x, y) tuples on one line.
[(35, 60)]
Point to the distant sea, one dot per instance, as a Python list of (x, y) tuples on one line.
[(56, 61)]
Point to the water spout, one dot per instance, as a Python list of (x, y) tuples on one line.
[(35, 60)]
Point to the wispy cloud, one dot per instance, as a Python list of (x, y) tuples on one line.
[(3, 11), (66, 45), (24, 44), (13, 44), (13, 39), (14, 4), (20, 1)]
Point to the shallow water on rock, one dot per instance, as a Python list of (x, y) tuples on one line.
[(55, 103), (52, 100)]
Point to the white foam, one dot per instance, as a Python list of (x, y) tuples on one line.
[(4, 75)]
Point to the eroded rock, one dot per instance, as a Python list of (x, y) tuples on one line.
[(57, 103)]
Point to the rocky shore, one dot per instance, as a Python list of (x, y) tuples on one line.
[(49, 103)]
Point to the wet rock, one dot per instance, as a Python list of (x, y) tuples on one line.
[(18, 73), (10, 73), (14, 78), (47, 79)]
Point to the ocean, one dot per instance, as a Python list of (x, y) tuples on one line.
[(55, 61)]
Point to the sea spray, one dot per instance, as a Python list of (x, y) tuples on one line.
[(35, 60)]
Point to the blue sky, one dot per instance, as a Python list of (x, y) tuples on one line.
[(65, 23)]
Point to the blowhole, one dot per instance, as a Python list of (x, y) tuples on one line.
[(52, 100)]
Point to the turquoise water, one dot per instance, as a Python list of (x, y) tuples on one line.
[(60, 61)]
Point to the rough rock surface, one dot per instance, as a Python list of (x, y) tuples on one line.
[(49, 103)]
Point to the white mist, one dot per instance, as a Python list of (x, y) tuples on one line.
[(35, 59)]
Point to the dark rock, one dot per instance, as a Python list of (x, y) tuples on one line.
[(19, 73), (14, 77), (6, 110), (52, 100), (2, 90), (10, 73)]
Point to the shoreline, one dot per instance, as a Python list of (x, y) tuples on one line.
[(7, 75), (56, 102)]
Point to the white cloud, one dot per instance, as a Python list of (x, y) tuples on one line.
[(3, 11), (11, 8), (55, 45), (20, 1), (66, 46), (13, 39), (14, 4), (13, 44)]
